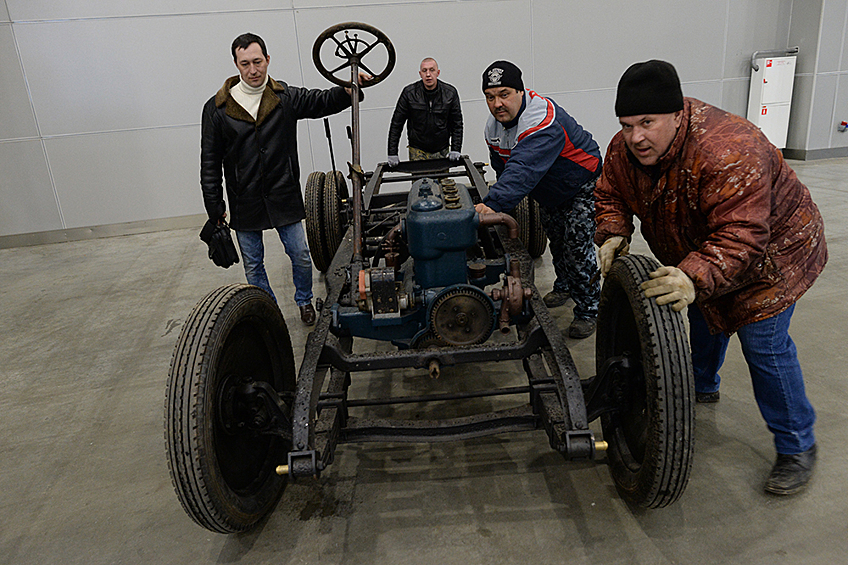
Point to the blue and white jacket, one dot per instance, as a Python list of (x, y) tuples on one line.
[(543, 152)]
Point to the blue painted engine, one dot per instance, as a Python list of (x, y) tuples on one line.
[(437, 295)]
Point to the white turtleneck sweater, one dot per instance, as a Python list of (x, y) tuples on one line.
[(248, 97)]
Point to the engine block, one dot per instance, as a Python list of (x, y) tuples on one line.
[(441, 225)]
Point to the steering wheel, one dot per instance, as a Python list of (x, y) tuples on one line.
[(351, 49)]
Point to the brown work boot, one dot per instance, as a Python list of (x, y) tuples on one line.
[(581, 329), (307, 314), (555, 298)]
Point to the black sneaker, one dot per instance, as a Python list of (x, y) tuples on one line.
[(580, 329), (555, 298), (791, 473), (707, 397)]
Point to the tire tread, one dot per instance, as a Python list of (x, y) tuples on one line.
[(665, 354), (185, 391)]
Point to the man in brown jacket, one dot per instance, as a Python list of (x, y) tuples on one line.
[(740, 237)]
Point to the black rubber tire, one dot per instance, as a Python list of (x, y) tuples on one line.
[(225, 477), (521, 213), (536, 238), (315, 228), (530, 230), (335, 191), (651, 434)]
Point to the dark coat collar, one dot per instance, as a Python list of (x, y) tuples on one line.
[(270, 100)]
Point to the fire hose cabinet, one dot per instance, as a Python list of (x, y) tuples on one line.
[(770, 98)]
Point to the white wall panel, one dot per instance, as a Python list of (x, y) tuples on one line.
[(36, 10), (127, 176), (709, 92), (822, 123), (840, 138), (114, 90), (734, 96), (16, 117), (457, 34), (29, 204), (804, 33), (357, 4), (755, 25), (843, 60), (594, 111), (799, 122), (140, 72), (832, 35), (589, 48)]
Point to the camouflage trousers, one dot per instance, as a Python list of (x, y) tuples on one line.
[(571, 229), (416, 154)]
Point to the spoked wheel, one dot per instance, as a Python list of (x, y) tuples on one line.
[(650, 429), (335, 193), (225, 435), (351, 42), (316, 235)]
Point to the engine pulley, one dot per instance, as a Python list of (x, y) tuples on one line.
[(462, 315)]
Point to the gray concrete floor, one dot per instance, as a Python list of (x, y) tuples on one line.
[(88, 329)]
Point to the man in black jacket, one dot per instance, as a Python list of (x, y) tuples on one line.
[(430, 108), (249, 129)]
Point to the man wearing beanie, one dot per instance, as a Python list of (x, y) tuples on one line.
[(537, 149), (740, 238), (249, 130), (433, 116)]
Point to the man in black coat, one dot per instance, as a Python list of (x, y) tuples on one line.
[(433, 116), (249, 130)]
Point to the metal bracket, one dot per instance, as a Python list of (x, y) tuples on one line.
[(578, 444), (303, 464), (771, 53)]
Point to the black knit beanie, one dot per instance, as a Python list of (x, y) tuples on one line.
[(502, 73), (651, 87)]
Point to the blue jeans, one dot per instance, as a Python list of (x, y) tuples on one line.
[(775, 374), (294, 242)]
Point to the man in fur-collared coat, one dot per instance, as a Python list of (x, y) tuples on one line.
[(249, 131), (739, 235)]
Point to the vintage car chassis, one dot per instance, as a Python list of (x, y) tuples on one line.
[(239, 423)]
